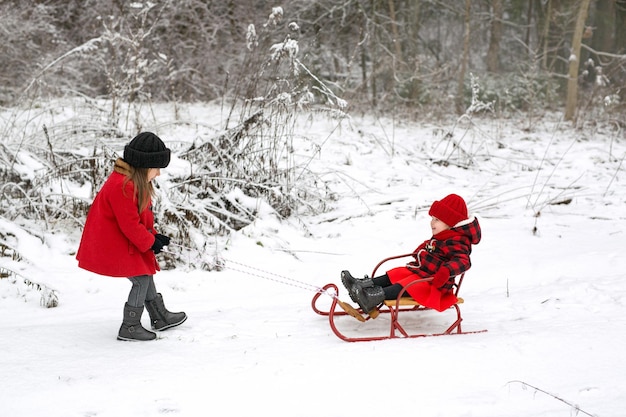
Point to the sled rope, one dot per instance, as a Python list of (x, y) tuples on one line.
[(300, 284), (260, 273), (271, 276)]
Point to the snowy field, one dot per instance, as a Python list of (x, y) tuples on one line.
[(547, 282)]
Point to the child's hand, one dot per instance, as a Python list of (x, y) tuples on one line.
[(164, 239), (159, 242), (441, 277)]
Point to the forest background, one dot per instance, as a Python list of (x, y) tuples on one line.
[(408, 56), (264, 65)]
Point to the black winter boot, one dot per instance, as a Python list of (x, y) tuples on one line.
[(369, 298), (352, 284), (131, 328), (160, 318)]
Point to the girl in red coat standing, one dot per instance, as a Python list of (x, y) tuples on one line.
[(442, 257), (119, 239)]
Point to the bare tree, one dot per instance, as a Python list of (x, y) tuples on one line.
[(545, 34), (574, 62), (620, 26), (493, 53), (464, 60)]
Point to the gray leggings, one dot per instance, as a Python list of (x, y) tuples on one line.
[(143, 290)]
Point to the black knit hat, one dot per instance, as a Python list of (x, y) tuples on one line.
[(146, 150)]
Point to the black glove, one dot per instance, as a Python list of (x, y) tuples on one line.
[(164, 239), (159, 242)]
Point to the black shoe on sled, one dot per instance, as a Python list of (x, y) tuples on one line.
[(353, 284), (369, 298)]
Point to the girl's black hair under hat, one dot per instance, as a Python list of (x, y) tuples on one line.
[(147, 150)]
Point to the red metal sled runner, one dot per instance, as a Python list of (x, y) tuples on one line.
[(395, 308)]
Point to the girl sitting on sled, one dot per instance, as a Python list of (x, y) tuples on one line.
[(442, 257)]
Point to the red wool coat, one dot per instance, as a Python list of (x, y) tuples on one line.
[(117, 239), (442, 257)]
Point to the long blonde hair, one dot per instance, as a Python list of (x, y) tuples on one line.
[(144, 190)]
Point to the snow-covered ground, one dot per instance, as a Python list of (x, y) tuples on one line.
[(547, 282)]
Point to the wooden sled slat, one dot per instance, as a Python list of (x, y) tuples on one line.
[(408, 301)]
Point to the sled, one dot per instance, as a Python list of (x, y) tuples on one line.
[(402, 306)]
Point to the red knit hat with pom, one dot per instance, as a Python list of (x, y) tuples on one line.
[(450, 210)]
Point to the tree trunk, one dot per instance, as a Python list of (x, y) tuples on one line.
[(620, 35), (529, 26), (493, 61), (546, 35), (414, 27), (574, 62), (620, 26), (394, 32), (374, 55), (604, 27), (413, 56), (460, 106), (396, 62), (364, 67)]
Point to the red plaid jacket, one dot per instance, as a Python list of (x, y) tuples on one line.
[(442, 257)]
